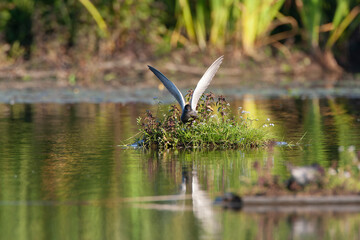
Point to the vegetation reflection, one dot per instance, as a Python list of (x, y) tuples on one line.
[(63, 175)]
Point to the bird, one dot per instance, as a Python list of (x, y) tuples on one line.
[(304, 175), (229, 200), (189, 109)]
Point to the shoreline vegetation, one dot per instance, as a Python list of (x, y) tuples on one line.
[(217, 127), (86, 42), (338, 179), (303, 186)]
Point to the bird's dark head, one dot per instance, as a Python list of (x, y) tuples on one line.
[(188, 113), (187, 108)]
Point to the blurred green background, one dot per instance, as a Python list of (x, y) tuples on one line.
[(54, 30)]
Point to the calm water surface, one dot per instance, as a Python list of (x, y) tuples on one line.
[(63, 174)]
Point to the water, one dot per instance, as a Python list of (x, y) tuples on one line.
[(63, 174)]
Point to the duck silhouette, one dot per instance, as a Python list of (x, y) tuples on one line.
[(189, 109)]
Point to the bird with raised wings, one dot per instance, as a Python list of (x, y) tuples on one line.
[(189, 109)]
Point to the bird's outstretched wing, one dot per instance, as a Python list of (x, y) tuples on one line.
[(170, 87), (205, 82)]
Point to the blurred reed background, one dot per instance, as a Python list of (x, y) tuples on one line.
[(59, 29)]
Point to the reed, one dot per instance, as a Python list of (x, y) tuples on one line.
[(313, 17), (256, 20), (220, 22), (342, 19), (310, 12), (96, 16)]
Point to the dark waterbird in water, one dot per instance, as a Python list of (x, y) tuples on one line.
[(229, 200), (189, 109)]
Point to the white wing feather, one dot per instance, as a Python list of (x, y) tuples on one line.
[(170, 86), (205, 82)]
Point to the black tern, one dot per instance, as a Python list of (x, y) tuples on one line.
[(189, 109)]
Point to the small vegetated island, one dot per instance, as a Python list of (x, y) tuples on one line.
[(205, 121), (215, 127)]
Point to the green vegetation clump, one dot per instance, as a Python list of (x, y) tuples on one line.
[(215, 127)]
